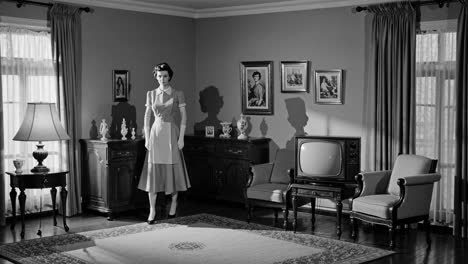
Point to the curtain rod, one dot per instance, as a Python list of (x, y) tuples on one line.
[(440, 3), (20, 3)]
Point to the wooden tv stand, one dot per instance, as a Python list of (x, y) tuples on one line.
[(338, 191)]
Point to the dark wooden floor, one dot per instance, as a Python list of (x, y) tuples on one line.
[(411, 245)]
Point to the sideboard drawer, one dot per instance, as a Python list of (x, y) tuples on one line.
[(233, 151), (121, 155), (199, 148)]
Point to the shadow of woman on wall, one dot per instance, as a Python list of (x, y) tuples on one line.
[(211, 103), (119, 112), (297, 117)]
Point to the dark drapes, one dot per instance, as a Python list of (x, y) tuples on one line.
[(461, 167), (66, 48), (393, 43)]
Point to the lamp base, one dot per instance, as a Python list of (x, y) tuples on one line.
[(40, 168), (40, 154)]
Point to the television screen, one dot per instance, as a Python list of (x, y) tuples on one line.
[(320, 158)]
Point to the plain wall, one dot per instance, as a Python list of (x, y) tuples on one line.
[(328, 38), (133, 41)]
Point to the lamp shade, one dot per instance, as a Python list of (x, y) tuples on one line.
[(41, 123)]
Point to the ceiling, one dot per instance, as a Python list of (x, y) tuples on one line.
[(219, 8)]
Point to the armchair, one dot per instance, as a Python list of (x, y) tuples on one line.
[(268, 185), (396, 197)]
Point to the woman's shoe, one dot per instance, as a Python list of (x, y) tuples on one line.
[(171, 216), (150, 222)]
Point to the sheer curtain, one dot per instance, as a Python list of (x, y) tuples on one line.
[(27, 75), (435, 110)]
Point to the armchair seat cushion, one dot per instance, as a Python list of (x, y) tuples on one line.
[(375, 205), (273, 192)]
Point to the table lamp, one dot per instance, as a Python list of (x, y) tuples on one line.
[(41, 123)]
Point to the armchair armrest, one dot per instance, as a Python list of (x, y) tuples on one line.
[(370, 183), (421, 179), (259, 174), (415, 195)]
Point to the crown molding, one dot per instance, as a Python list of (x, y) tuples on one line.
[(284, 6), (138, 6)]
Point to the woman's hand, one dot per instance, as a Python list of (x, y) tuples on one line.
[(180, 143), (147, 144)]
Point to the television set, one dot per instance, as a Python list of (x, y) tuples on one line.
[(327, 159)]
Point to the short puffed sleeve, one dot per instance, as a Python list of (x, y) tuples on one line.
[(181, 98), (148, 99)]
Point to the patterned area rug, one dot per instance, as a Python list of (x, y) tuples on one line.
[(201, 238)]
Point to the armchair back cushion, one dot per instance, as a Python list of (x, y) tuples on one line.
[(407, 165), (284, 160)]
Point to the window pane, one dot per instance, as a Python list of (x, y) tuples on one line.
[(428, 48), (42, 89), (450, 46), (11, 88), (426, 90)]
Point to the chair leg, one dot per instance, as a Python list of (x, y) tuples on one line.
[(285, 218), (276, 216), (391, 231), (427, 226), (249, 212), (354, 227)]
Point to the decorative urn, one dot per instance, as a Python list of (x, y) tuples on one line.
[(226, 127), (242, 125)]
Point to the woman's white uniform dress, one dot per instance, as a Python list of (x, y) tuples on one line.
[(165, 166)]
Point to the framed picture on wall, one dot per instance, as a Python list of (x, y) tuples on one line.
[(120, 81), (329, 87), (256, 87), (294, 76)]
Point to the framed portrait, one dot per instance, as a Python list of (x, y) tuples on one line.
[(120, 81), (257, 87), (209, 131), (294, 76), (329, 87)]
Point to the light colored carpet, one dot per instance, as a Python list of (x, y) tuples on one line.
[(199, 238)]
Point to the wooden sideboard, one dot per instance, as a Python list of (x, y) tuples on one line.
[(110, 174), (218, 167)]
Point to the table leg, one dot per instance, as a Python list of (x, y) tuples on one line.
[(22, 202), (339, 208), (53, 195), (312, 208), (294, 205), (63, 196), (13, 206), (286, 208)]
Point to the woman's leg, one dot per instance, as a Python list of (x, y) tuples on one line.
[(173, 209), (152, 204)]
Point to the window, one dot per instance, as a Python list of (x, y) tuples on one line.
[(435, 109), (27, 76)]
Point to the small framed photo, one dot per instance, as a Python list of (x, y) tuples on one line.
[(329, 87), (256, 87), (209, 131), (120, 81), (294, 76)]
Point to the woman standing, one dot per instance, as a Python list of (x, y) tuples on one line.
[(164, 141)]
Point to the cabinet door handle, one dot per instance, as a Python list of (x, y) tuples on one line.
[(239, 151)]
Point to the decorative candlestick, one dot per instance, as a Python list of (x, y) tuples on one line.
[(133, 133), (123, 130)]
